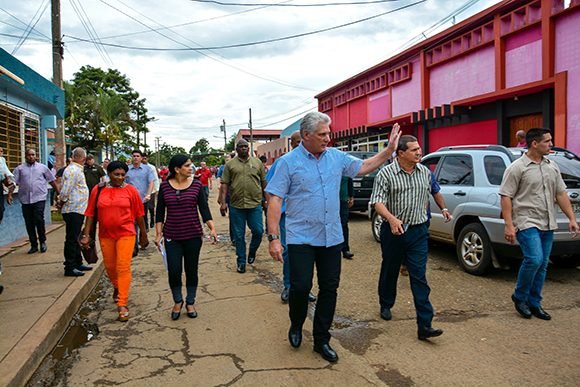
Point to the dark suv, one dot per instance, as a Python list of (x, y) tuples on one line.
[(362, 185)]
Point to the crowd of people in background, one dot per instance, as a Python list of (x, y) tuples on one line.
[(305, 195)]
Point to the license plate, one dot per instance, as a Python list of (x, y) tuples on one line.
[(356, 184)]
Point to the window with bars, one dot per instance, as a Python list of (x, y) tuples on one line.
[(10, 136), (31, 127)]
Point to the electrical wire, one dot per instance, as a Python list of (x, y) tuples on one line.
[(86, 23), (189, 23), (292, 5), (251, 43), (30, 26), (269, 79)]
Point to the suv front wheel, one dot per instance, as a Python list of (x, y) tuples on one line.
[(474, 249)]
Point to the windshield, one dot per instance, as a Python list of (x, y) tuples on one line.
[(570, 169)]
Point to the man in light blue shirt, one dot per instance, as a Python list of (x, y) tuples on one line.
[(309, 179), (141, 177), (294, 142)]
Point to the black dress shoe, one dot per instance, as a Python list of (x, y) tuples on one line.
[(241, 268), (84, 268), (327, 353), (540, 313), (191, 314), (43, 247), (175, 315), (425, 333), (73, 273), (311, 297), (522, 308), (285, 295), (32, 250), (386, 313), (347, 255), (295, 337)]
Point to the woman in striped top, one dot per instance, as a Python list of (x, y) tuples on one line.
[(177, 222)]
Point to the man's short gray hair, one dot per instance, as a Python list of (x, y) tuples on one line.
[(79, 153), (311, 121)]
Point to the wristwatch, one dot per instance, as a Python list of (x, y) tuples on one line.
[(273, 237)]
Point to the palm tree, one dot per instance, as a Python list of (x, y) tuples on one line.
[(112, 115)]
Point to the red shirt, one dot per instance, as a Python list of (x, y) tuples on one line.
[(118, 208), (204, 175), (163, 173)]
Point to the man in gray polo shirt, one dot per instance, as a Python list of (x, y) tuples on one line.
[(529, 188)]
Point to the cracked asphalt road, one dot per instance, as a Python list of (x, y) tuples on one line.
[(239, 337)]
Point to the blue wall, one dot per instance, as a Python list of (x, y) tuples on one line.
[(12, 227)]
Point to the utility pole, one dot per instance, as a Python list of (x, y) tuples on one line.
[(251, 135), (157, 149), (223, 129), (57, 55)]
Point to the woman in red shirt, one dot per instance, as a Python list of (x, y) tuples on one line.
[(117, 208)]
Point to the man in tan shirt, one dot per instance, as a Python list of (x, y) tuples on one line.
[(529, 188)]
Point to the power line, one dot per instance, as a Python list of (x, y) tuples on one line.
[(86, 23), (288, 118), (19, 36), (190, 22), (94, 31), (30, 26), (83, 23), (251, 43), (196, 43), (293, 5)]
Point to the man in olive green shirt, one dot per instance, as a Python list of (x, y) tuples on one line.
[(244, 178)]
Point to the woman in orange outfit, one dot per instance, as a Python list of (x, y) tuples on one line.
[(118, 207)]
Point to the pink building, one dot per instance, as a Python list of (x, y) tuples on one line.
[(515, 65)]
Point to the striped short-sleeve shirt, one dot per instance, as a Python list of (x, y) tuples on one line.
[(406, 195)]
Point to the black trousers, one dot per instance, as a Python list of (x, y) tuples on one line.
[(302, 261), (1, 202), (151, 208), (344, 212), (180, 255), (138, 233), (34, 219), (412, 249), (72, 250)]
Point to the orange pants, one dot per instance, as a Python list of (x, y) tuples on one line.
[(117, 255)]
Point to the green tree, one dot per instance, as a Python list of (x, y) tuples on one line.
[(84, 125), (231, 145), (201, 146)]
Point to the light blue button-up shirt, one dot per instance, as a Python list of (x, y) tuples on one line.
[(140, 178), (311, 187)]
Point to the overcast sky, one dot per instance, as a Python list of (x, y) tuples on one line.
[(190, 92)]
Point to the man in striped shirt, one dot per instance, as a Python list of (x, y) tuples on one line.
[(400, 196)]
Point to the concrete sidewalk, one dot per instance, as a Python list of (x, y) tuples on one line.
[(37, 304)]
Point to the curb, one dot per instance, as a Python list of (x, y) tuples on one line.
[(23, 360)]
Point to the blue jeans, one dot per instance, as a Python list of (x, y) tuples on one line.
[(239, 217), (412, 249), (286, 264), (536, 246)]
